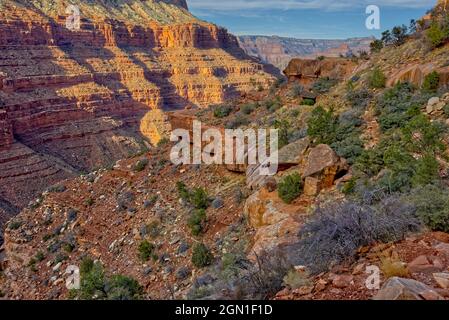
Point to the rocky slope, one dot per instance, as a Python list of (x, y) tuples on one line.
[(73, 101), (279, 51)]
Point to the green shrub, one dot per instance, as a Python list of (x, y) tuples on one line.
[(141, 165), (377, 79), (282, 126), (248, 108), (95, 284), (163, 142), (376, 46), (196, 221), (238, 121), (322, 125), (146, 250), (427, 171), (290, 187), (323, 85), (273, 105), (199, 198), (201, 256), (295, 90), (39, 256), (222, 111), (358, 99), (15, 224), (121, 288), (308, 102), (436, 34), (431, 82), (183, 192), (432, 203)]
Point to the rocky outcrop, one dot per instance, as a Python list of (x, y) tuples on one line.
[(276, 224), (72, 101), (306, 71), (279, 51), (416, 73)]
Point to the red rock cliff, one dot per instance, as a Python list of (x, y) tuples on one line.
[(72, 101)]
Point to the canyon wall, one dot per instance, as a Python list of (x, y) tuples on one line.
[(278, 51), (73, 101)]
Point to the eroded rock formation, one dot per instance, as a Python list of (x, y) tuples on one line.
[(306, 71), (72, 101)]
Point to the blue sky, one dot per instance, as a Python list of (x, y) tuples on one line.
[(317, 19)]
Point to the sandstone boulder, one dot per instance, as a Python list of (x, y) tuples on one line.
[(293, 153), (406, 289), (290, 155), (325, 165), (276, 223), (307, 71)]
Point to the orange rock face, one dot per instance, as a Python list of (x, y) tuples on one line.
[(72, 101), (306, 71)]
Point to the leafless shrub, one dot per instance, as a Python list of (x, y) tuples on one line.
[(337, 231)]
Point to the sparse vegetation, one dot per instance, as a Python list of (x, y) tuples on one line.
[(15, 224), (431, 82), (295, 90), (146, 250), (377, 79), (376, 46), (290, 188), (432, 203), (335, 232), (323, 85), (295, 279), (437, 34), (201, 256), (393, 267), (96, 285), (308, 102), (222, 111), (141, 165), (197, 221)]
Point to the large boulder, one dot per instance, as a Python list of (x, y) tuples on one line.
[(293, 153), (406, 289), (307, 71), (325, 165), (289, 156), (276, 223)]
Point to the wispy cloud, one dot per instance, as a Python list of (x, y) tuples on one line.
[(328, 5)]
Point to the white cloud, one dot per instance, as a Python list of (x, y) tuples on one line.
[(336, 5)]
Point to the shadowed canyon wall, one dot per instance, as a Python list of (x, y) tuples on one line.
[(72, 101)]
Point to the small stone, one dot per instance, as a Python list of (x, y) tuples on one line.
[(147, 271), (433, 101), (321, 285), (182, 273), (359, 269), (442, 279), (57, 267), (343, 281), (183, 247), (303, 291), (217, 203)]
